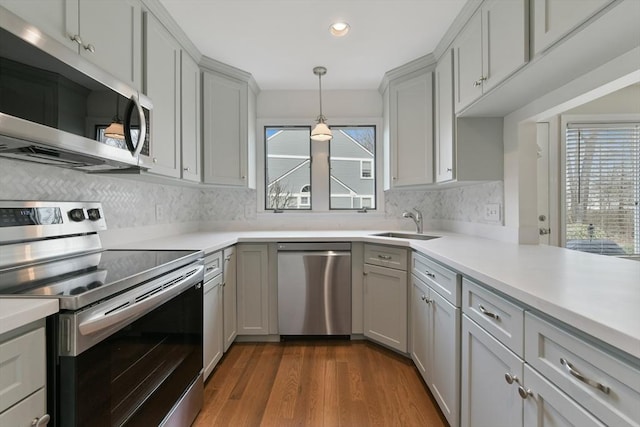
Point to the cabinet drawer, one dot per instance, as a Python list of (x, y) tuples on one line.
[(609, 388), (386, 256), (24, 413), (440, 278), (499, 317), (212, 265), (22, 367)]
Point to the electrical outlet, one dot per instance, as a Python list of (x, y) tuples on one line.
[(492, 212), (161, 214)]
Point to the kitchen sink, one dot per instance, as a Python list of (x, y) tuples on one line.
[(398, 235)]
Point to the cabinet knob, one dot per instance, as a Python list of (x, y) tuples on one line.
[(244, 177), (449, 170), (423, 297), (524, 392), (428, 300), (393, 178), (479, 81), (510, 379), (42, 421), (89, 47), (76, 38), (155, 160)]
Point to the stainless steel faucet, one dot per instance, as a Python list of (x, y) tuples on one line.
[(417, 218)]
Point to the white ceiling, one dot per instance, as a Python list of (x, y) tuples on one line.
[(280, 41)]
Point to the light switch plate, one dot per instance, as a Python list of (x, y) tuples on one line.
[(492, 212)]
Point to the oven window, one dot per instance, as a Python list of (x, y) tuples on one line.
[(134, 377)]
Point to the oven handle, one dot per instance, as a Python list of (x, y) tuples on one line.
[(131, 309)]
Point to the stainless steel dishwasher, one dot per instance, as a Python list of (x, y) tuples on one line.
[(314, 288)]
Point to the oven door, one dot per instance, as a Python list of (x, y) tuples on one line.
[(135, 376)]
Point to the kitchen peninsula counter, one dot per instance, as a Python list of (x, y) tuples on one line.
[(595, 294)]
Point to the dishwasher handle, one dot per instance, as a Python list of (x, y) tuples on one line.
[(313, 246)]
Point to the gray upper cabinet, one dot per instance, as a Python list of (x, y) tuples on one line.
[(411, 130), (554, 19), (162, 85), (492, 46), (190, 123), (107, 33), (225, 115), (444, 119)]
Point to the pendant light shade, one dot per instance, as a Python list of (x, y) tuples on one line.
[(115, 130), (321, 131)]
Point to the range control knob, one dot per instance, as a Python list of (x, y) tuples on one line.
[(77, 215), (93, 214)]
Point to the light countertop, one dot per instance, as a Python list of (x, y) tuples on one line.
[(17, 312), (596, 294)]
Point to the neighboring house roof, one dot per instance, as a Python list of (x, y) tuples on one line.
[(288, 162)]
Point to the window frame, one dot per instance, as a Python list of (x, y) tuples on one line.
[(307, 207), (319, 183), (565, 120), (360, 161)]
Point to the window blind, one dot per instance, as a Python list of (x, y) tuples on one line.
[(603, 188)]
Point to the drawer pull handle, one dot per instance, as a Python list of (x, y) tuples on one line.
[(210, 268), (429, 300), (384, 257), (430, 274), (488, 313), (579, 376), (423, 297), (510, 378)]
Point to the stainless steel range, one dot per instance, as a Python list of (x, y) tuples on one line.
[(126, 347)]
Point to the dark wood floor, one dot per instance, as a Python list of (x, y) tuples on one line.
[(316, 383)]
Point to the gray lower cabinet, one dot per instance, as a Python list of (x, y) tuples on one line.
[(435, 332), (385, 306), (213, 346), (253, 289), (23, 377), (547, 406), (487, 398), (229, 296)]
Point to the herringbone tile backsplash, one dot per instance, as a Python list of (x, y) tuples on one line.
[(130, 203), (127, 202)]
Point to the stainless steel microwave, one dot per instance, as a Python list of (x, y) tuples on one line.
[(58, 108)]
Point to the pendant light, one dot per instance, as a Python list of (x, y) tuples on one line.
[(321, 131), (115, 130)]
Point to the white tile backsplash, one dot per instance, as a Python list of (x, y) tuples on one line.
[(135, 203)]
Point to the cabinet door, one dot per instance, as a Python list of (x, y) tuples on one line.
[(225, 130), (444, 137), (487, 399), (411, 124), (505, 44), (212, 344), (229, 296), (444, 376), (162, 84), (547, 406), (56, 18), (467, 50), (253, 289), (190, 123), (385, 306), (420, 327), (114, 30), (553, 19)]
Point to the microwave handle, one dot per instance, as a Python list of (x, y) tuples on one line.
[(134, 102)]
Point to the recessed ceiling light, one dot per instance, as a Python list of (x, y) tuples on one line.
[(339, 29)]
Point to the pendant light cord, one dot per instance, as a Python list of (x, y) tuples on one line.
[(321, 117)]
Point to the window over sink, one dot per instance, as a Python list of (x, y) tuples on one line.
[(346, 164)]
